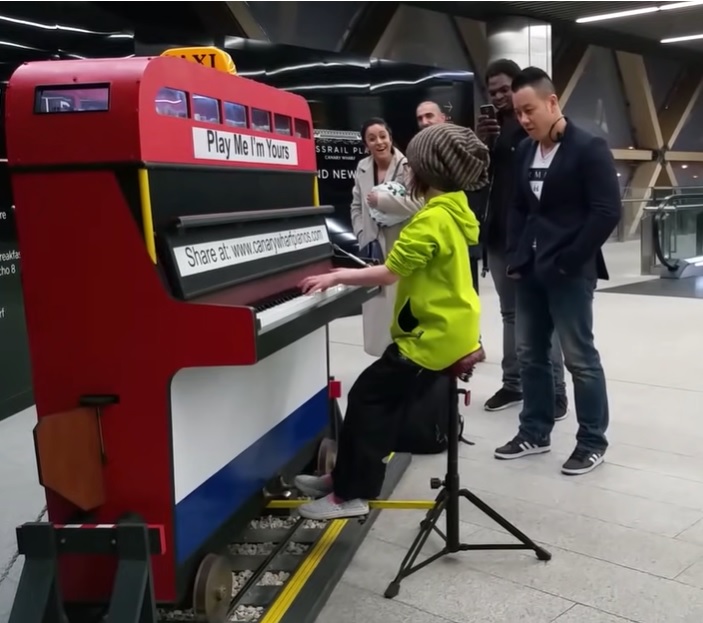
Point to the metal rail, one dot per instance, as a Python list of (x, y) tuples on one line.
[(653, 230), (277, 550)]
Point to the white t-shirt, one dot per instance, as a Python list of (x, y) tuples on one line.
[(539, 168), (538, 171)]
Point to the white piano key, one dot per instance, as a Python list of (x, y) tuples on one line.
[(280, 314)]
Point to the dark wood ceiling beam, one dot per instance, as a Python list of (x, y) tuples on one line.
[(605, 35), (679, 103), (641, 109), (472, 36), (570, 62), (367, 28), (232, 19)]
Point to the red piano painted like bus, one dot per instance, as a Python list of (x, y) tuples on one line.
[(166, 211)]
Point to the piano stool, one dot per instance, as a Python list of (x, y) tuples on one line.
[(447, 500)]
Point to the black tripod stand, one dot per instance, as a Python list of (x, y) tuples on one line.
[(448, 500)]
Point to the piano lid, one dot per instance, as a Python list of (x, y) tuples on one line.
[(207, 253)]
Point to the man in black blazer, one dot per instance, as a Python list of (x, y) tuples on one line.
[(566, 204)]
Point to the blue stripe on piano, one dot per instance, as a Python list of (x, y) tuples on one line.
[(204, 510)]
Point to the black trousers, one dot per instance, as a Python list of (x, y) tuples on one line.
[(375, 413), (473, 262)]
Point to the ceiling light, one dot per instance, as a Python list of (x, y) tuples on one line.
[(667, 6), (600, 18), (683, 38)]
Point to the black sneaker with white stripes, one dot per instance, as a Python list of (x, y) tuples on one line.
[(518, 447), (581, 462), (503, 399)]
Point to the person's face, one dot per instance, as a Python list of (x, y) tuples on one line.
[(429, 114), (499, 92), (378, 141), (535, 111)]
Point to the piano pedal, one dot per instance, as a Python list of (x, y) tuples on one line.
[(279, 489)]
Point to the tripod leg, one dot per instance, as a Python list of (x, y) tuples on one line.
[(427, 521), (406, 567), (542, 553), (452, 480)]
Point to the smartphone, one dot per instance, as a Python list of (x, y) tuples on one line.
[(488, 110)]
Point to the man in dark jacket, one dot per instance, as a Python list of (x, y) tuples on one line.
[(503, 134), (566, 204)]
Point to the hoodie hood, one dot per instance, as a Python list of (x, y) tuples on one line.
[(457, 205)]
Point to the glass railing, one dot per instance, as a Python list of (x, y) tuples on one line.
[(671, 229), (659, 193)]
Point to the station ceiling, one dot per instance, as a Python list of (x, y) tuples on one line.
[(640, 33)]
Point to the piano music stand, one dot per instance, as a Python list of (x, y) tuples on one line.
[(344, 259), (450, 495)]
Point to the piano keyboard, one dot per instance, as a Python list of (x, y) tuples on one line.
[(286, 307), (287, 245)]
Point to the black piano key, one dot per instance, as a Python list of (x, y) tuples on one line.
[(276, 299)]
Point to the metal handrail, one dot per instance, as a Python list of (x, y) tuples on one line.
[(672, 208), (662, 211)]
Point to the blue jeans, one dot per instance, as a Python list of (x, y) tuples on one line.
[(564, 305), (506, 289)]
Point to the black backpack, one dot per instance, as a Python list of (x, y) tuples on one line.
[(424, 428)]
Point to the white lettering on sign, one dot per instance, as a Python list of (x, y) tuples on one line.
[(203, 257), (236, 147)]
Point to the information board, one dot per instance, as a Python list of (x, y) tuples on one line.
[(338, 153), (15, 375)]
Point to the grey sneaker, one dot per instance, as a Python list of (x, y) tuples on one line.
[(313, 486), (328, 508)]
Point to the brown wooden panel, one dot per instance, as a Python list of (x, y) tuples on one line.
[(69, 457)]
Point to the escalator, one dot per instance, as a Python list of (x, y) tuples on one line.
[(674, 228)]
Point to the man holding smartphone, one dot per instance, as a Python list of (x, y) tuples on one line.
[(499, 129)]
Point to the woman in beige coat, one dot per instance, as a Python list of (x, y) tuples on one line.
[(384, 164)]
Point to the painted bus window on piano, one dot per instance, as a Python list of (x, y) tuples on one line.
[(260, 120), (172, 103), (282, 124), (206, 109), (302, 129), (72, 99), (235, 115)]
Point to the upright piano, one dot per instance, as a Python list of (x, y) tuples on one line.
[(167, 212)]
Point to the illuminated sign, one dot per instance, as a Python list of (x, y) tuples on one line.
[(205, 55)]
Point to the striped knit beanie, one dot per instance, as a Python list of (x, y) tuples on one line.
[(449, 158)]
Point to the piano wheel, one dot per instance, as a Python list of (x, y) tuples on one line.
[(212, 592), (326, 456)]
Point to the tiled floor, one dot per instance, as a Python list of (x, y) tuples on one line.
[(627, 539)]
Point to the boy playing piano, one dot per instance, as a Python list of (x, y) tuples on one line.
[(436, 319)]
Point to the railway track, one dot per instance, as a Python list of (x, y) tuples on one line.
[(241, 583), (281, 568)]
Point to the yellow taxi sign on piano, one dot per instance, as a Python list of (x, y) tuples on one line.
[(205, 55)]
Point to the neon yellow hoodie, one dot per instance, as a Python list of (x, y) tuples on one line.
[(437, 311)]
